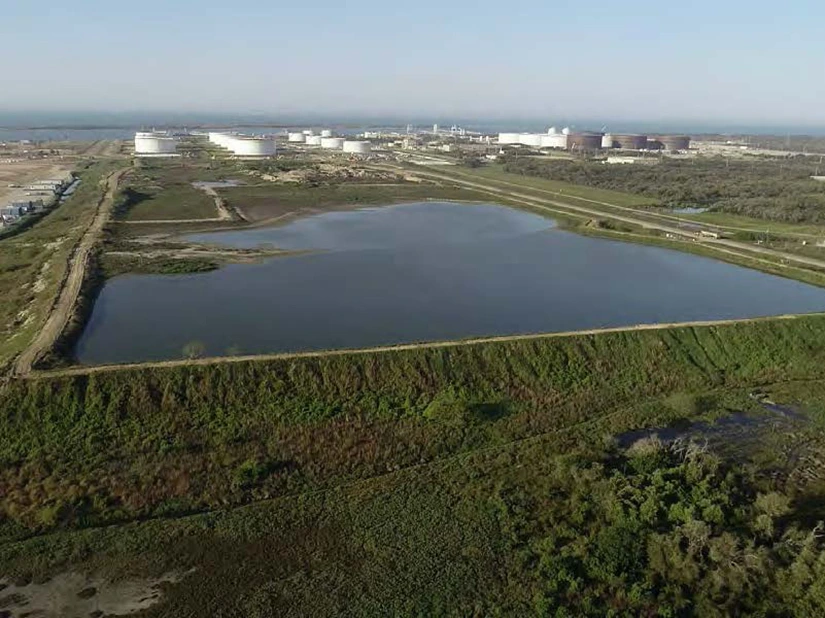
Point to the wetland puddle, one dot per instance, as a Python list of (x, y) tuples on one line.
[(419, 272)]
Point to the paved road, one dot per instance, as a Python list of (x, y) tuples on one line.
[(404, 346), (546, 204), (64, 307)]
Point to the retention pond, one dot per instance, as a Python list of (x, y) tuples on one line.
[(419, 272)]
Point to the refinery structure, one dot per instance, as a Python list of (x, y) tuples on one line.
[(380, 143), (566, 139)]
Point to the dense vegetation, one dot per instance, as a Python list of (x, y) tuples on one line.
[(777, 189), (470, 480)]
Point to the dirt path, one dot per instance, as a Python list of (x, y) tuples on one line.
[(75, 275), (546, 204), (407, 346)]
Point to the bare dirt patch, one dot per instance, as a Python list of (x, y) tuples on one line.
[(71, 595)]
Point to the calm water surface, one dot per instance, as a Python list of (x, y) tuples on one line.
[(420, 272)]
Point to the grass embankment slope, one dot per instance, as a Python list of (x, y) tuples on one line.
[(471, 480), (33, 263)]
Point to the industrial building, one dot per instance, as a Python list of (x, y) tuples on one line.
[(154, 143)]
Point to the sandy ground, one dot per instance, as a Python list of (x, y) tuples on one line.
[(25, 172), (73, 595)]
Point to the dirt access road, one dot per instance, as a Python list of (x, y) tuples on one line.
[(547, 204), (67, 298)]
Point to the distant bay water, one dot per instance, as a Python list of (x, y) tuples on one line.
[(90, 126)]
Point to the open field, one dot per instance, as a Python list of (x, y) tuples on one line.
[(476, 479), (562, 188), (163, 190)]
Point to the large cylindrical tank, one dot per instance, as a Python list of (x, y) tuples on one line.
[(253, 146), (296, 138), (629, 141), (555, 140), (566, 131), (333, 143), (552, 131), (530, 139), (508, 138), (313, 140), (155, 143), (357, 147), (674, 142), (585, 141), (607, 141), (326, 133)]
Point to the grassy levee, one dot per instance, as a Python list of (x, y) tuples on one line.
[(144, 442), (33, 263), (414, 482)]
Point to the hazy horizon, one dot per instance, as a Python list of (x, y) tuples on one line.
[(742, 64)]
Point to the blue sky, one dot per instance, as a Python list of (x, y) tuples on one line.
[(726, 60)]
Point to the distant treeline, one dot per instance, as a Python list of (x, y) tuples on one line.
[(766, 188)]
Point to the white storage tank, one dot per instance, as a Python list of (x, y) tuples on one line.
[(566, 131), (508, 138), (554, 140), (296, 138), (308, 132), (155, 143), (607, 141), (530, 139), (333, 143), (552, 131), (326, 133), (253, 146), (313, 140), (357, 147)]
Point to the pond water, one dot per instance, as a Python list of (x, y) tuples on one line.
[(689, 210), (418, 272)]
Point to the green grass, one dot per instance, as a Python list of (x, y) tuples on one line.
[(757, 225), (560, 188), (470, 480), (262, 201), (172, 202)]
